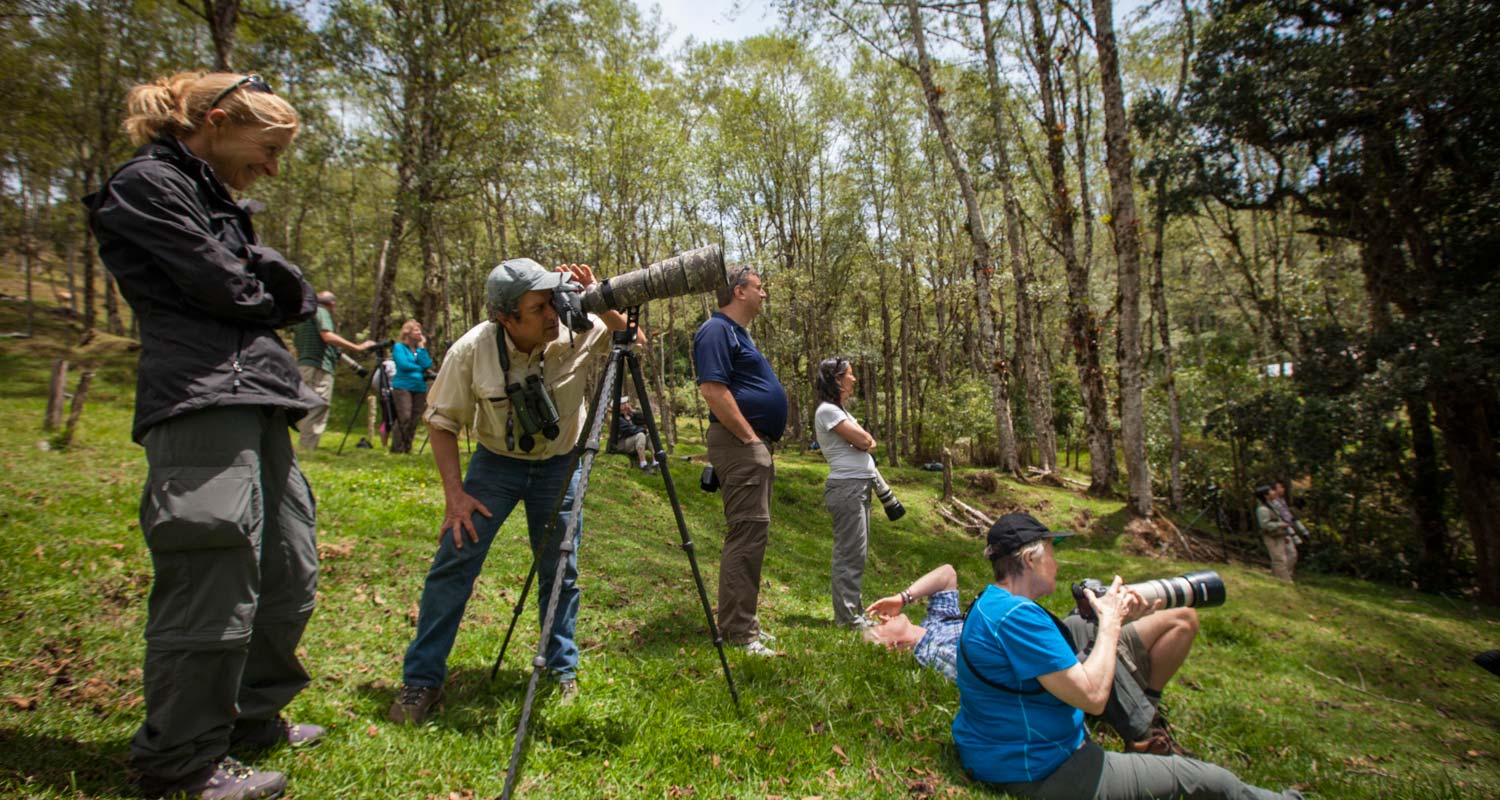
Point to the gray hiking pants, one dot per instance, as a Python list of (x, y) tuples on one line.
[(1091, 772), (229, 520), (848, 502)]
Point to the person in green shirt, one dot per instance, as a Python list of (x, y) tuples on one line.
[(317, 354)]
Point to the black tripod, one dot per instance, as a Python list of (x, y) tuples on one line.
[(606, 401), (381, 383)]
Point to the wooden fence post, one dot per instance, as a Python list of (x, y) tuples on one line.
[(55, 393)]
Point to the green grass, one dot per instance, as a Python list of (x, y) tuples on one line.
[(1401, 712)]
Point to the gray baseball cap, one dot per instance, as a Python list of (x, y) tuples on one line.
[(513, 278)]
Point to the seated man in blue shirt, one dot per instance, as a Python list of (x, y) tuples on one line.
[(1023, 692), (1150, 653)]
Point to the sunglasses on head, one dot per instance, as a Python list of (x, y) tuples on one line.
[(253, 82)]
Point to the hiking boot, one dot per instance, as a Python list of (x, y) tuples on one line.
[(756, 648), (1159, 742), (567, 691), (226, 780), (260, 734), (414, 704)]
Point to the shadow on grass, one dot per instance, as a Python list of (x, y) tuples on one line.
[(66, 765)]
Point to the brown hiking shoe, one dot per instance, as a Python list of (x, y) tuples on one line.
[(414, 704)]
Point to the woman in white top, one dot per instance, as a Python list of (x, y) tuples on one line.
[(847, 446)]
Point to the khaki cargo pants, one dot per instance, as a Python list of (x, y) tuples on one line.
[(746, 473), (229, 520)]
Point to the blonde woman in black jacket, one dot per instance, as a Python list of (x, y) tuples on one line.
[(226, 511)]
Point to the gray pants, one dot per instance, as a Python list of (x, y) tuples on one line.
[(1093, 773), (229, 520), (848, 501)]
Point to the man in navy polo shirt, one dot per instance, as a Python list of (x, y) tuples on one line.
[(747, 413)]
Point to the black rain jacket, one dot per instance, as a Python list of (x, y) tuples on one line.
[(207, 296)]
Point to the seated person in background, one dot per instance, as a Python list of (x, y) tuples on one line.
[(1150, 653), (631, 435), (1022, 691)]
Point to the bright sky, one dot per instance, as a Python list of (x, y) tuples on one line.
[(710, 20)]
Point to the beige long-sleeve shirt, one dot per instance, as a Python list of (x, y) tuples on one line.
[(470, 390)]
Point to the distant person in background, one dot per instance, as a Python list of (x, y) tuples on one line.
[(226, 511), (409, 387), (317, 354), (846, 446), (1281, 503), (633, 436), (1277, 534)]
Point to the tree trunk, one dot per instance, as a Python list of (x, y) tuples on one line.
[(1034, 374), (992, 336), (1427, 487), (1469, 437), (385, 289), (1083, 327), (1126, 225), (1169, 376)]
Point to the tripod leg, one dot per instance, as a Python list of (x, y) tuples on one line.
[(589, 448), (682, 531), (357, 408), (516, 615)]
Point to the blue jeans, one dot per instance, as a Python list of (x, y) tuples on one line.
[(499, 483)]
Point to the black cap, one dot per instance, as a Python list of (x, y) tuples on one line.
[(1014, 531)]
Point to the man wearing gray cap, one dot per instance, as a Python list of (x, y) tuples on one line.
[(489, 379)]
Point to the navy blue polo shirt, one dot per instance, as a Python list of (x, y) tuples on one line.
[(723, 352)]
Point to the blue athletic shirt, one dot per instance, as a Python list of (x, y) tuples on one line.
[(723, 352), (1004, 737)]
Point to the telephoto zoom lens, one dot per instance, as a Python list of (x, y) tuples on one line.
[(893, 508), (1201, 589), (689, 272)]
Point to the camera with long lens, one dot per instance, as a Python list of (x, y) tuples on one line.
[(689, 272), (893, 508), (1201, 589)]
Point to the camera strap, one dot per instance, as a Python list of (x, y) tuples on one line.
[(1061, 628)]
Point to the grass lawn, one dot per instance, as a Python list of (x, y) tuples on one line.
[(1345, 689)]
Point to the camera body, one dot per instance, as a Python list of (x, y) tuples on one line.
[(1201, 589)]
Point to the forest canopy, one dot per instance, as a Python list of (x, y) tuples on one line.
[(1182, 248)]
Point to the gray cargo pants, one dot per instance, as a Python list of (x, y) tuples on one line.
[(229, 520), (848, 502), (1091, 772)]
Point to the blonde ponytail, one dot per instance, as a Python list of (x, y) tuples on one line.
[(177, 105)]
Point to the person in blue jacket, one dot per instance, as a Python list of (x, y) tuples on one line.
[(409, 387)]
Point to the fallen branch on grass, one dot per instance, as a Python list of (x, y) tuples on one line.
[(1347, 685)]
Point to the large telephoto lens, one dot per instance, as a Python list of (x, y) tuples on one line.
[(690, 272), (1201, 589)]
